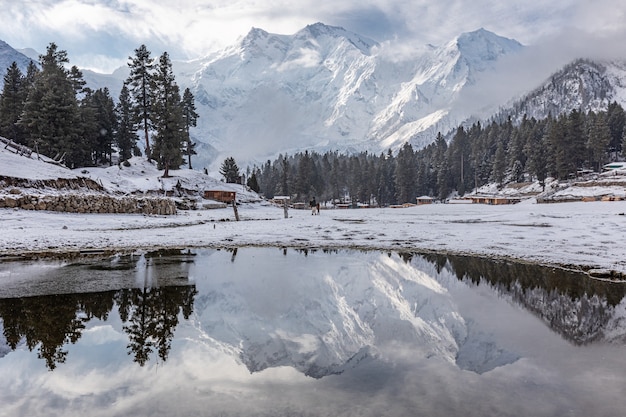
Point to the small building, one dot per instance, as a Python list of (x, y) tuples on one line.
[(225, 196), (496, 201), (424, 200)]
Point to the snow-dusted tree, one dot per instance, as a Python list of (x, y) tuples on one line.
[(126, 136), (406, 174), (167, 118), (598, 139), (229, 170), (51, 115), (106, 125), (190, 118), (140, 86), (12, 103), (253, 183)]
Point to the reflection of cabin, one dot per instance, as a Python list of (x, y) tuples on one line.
[(424, 200), (220, 195), (495, 200)]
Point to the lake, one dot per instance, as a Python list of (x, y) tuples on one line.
[(285, 332)]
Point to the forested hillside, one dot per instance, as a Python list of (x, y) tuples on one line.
[(561, 147)]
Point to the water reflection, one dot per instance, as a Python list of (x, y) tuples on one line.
[(47, 323), (577, 307), (284, 332)]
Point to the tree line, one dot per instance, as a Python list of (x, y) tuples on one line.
[(50, 110), (560, 147)]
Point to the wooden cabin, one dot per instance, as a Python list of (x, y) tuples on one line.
[(424, 200), (220, 195), (496, 201)]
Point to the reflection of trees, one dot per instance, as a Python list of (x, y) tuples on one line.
[(49, 323), (151, 315), (570, 302)]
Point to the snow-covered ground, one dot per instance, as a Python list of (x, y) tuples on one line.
[(586, 235)]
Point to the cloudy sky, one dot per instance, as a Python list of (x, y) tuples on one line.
[(101, 34)]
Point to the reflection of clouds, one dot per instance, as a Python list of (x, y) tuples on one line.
[(415, 375)]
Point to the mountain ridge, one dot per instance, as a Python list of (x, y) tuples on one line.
[(325, 88)]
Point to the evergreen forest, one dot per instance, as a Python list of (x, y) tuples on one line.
[(560, 147), (50, 110)]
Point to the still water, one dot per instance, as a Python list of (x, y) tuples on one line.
[(280, 332)]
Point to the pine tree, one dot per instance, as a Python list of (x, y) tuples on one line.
[(406, 175), (499, 164), (140, 86), (537, 155), (126, 136), (107, 125), (616, 119), (51, 116), (302, 185), (284, 177), (386, 192), (86, 153), (11, 104), (190, 118), (229, 170), (576, 143), (599, 139), (252, 183), (167, 115)]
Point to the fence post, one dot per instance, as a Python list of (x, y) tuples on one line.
[(235, 210)]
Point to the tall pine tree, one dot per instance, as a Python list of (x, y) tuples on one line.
[(140, 86), (125, 137), (167, 115), (190, 119), (11, 104)]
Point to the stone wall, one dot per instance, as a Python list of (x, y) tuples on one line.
[(88, 203)]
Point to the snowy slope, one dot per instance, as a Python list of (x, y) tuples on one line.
[(582, 85)]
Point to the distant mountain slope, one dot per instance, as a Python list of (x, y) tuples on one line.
[(8, 55), (582, 85)]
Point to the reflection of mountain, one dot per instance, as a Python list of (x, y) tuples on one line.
[(580, 309), (351, 307)]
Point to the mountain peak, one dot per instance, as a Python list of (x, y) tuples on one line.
[(319, 30), (485, 45)]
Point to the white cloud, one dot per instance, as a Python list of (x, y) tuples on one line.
[(90, 29)]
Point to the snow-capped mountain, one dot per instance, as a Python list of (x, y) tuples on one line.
[(582, 85), (328, 88), (8, 55)]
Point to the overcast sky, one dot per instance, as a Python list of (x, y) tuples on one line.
[(102, 34)]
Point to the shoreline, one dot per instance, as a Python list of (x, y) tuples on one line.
[(583, 237)]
